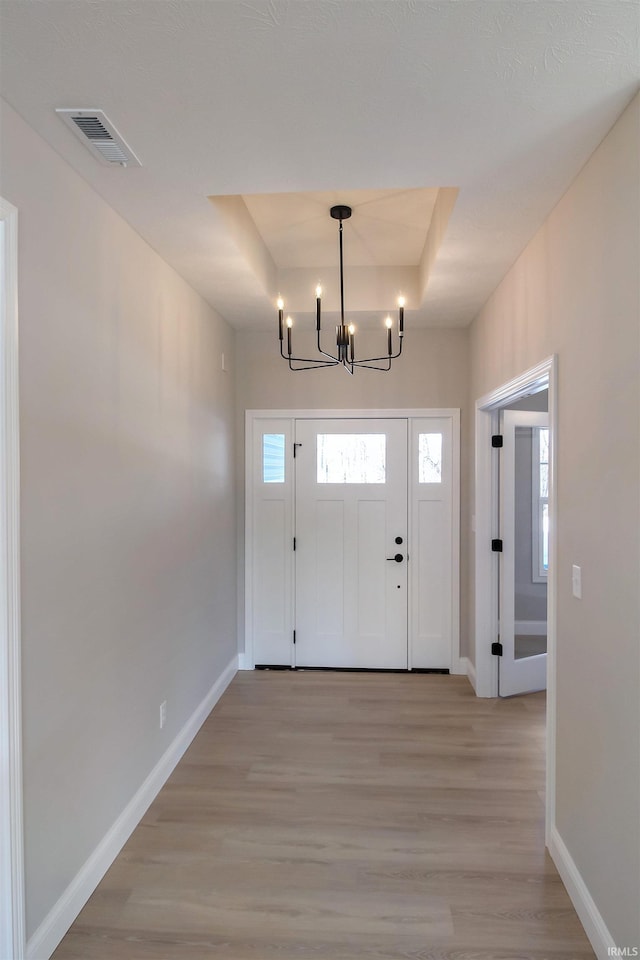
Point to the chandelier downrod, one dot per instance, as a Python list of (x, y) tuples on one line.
[(345, 335), (341, 213)]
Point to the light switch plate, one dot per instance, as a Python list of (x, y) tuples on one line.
[(576, 581)]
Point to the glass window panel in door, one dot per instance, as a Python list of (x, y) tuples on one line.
[(530, 599), (273, 458), (430, 458), (351, 458)]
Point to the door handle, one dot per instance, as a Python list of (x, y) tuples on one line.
[(398, 558)]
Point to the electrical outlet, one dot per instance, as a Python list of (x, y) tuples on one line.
[(163, 713)]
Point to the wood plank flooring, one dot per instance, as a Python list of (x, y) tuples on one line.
[(336, 816)]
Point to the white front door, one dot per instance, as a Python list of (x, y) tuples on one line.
[(524, 466), (351, 539)]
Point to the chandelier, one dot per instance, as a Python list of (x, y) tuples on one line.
[(345, 334)]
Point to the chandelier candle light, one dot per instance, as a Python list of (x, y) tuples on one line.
[(345, 334)]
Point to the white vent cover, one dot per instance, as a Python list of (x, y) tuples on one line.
[(99, 135)]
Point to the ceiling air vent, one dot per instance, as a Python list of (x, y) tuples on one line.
[(99, 135)]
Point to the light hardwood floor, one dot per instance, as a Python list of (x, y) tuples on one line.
[(335, 816)]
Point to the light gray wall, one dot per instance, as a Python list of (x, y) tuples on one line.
[(574, 292), (128, 533), (432, 372)]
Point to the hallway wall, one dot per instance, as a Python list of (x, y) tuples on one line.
[(575, 292), (128, 503)]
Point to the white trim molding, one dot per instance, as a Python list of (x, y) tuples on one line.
[(54, 926), (12, 909), (459, 667), (465, 668), (590, 917), (471, 673)]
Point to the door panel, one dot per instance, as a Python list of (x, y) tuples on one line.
[(430, 562), (523, 601), (270, 547), (351, 504), (431, 593)]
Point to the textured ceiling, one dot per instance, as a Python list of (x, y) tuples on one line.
[(503, 99)]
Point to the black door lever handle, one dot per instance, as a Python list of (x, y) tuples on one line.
[(398, 558)]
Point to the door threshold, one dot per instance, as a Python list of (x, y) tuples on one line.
[(279, 666)]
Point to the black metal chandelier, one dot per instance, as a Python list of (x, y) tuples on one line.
[(345, 334)]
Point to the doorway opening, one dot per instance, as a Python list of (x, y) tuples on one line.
[(488, 609), (523, 523)]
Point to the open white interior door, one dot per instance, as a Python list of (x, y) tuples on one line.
[(351, 543), (524, 558)]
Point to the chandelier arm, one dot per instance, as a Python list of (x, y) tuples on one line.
[(388, 356), (324, 352), (394, 356), (321, 363), (330, 362), (369, 366), (316, 364)]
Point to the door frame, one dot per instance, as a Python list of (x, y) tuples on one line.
[(12, 891), (253, 419), (543, 375)]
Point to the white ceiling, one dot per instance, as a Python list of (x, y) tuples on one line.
[(503, 99)]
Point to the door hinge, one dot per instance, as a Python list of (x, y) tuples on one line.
[(294, 637), (496, 649), (496, 546), (294, 543), (497, 440), (295, 447)]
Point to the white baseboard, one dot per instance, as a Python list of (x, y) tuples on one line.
[(531, 628), (244, 663), (471, 672), (459, 667), (590, 917), (464, 667), (54, 926)]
